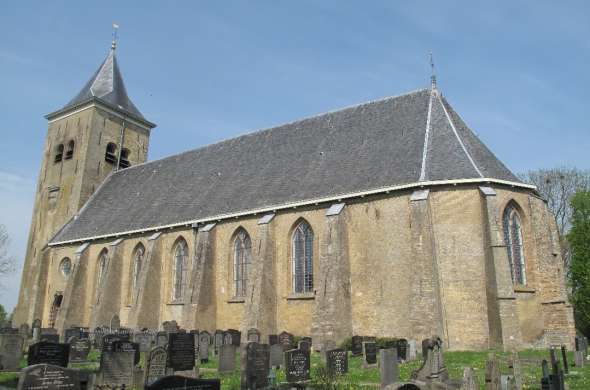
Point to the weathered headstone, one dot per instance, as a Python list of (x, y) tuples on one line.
[(117, 368), (276, 355), (115, 323), (204, 341), (388, 368), (79, 349), (227, 358), (145, 341), (356, 345), (273, 339), (127, 346), (45, 352), (514, 365), (36, 327), (304, 345), (11, 351), (469, 380), (48, 377), (170, 326), (255, 365), (176, 382), (181, 351), (432, 368), (297, 365), (579, 359), (411, 350), (564, 359), (545, 377), (337, 361), (161, 339), (253, 335), (402, 349), (492, 374), (49, 335), (286, 339), (234, 335), (155, 365), (217, 340), (369, 353)]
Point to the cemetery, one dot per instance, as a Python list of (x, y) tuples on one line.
[(173, 358)]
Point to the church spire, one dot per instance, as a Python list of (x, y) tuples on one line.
[(432, 73), (115, 36)]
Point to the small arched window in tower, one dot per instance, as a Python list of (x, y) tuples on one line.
[(302, 259), (242, 256), (111, 153), (124, 161), (180, 264), (514, 244), (70, 151), (59, 153)]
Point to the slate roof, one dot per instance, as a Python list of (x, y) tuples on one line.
[(416, 137)]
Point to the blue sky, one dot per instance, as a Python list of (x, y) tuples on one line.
[(517, 71)]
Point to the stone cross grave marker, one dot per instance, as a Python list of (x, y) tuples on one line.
[(337, 361), (218, 340), (48, 377), (204, 341), (276, 355), (227, 358), (297, 366), (175, 382), (181, 351), (117, 367), (356, 345), (388, 368), (155, 365), (115, 323), (79, 349), (45, 352), (286, 339), (253, 335), (369, 354), (255, 365)]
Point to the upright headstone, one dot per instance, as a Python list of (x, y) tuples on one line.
[(48, 377), (337, 361), (236, 336), (155, 365), (227, 359), (162, 339), (286, 339), (11, 351), (564, 359), (545, 376), (297, 365), (304, 345), (579, 359), (388, 368), (49, 335), (469, 380), (276, 355), (181, 351), (204, 341), (369, 354), (356, 345), (48, 353), (253, 335), (432, 368), (514, 365), (402, 349), (170, 326), (492, 375), (218, 340), (411, 350), (79, 349), (36, 326), (176, 382), (115, 323), (144, 340), (117, 368), (273, 339), (255, 366)]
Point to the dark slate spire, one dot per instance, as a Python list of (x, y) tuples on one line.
[(107, 86)]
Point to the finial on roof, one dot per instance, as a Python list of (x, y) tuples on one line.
[(432, 74), (115, 37)]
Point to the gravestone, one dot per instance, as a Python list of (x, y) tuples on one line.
[(117, 368), (79, 349), (162, 339), (273, 339), (176, 382), (515, 366), (304, 345), (170, 326), (411, 350), (24, 331), (579, 359), (71, 332), (492, 373), (286, 339), (369, 353), (155, 365), (388, 368), (564, 359), (49, 335), (48, 377), (145, 341), (402, 349), (115, 323), (11, 351), (218, 340), (276, 355), (469, 380), (235, 336), (181, 351), (253, 335), (204, 341), (297, 366), (356, 345), (545, 377), (227, 359), (557, 377), (432, 368), (45, 352), (127, 346), (337, 361), (255, 365)]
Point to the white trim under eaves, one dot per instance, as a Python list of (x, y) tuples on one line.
[(303, 203)]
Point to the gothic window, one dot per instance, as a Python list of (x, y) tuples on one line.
[(137, 263), (242, 256), (102, 267), (70, 151), (514, 244), (124, 161), (111, 153), (59, 153), (65, 267), (180, 264), (302, 258)]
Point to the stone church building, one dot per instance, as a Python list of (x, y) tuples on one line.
[(389, 218)]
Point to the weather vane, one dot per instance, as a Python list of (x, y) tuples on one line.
[(432, 75), (115, 37)]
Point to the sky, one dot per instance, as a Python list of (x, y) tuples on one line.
[(518, 72)]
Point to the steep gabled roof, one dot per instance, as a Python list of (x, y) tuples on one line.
[(390, 143)]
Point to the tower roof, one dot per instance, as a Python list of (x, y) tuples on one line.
[(106, 86)]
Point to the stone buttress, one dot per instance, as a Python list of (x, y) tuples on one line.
[(73, 307)]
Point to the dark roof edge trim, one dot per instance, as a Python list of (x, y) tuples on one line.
[(302, 203), (95, 101)]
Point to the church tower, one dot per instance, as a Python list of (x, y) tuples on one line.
[(98, 132)]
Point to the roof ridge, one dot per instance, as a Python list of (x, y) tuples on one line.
[(267, 129)]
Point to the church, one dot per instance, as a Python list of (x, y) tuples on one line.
[(389, 218)]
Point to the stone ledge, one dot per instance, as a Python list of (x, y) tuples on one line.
[(302, 297), (523, 289), (175, 303), (236, 300)]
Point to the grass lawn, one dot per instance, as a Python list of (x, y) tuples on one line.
[(358, 377)]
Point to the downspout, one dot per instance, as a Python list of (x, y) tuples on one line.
[(120, 145)]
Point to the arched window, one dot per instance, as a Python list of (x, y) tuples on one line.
[(59, 153), (102, 267), (180, 263), (302, 258), (65, 266), (242, 256), (514, 244), (137, 263), (124, 161), (111, 153), (70, 151)]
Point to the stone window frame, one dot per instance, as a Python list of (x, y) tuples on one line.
[(65, 267), (241, 251), (134, 271), (302, 226), (514, 240), (179, 279), (59, 153), (70, 151), (101, 268)]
